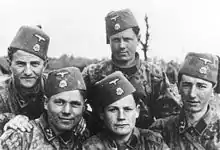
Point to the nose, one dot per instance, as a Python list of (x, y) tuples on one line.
[(193, 92), (67, 109), (28, 70), (121, 115), (122, 44)]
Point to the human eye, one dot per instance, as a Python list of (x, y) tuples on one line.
[(186, 84), (76, 104), (35, 63), (112, 109), (59, 102), (201, 86), (127, 109), (116, 40), (127, 39), (20, 63)]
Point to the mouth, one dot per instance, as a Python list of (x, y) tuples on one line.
[(121, 125), (28, 78), (66, 120), (193, 102)]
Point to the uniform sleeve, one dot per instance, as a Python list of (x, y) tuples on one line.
[(5, 116), (85, 74), (93, 143), (154, 141), (13, 140)]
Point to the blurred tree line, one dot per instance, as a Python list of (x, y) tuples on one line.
[(81, 62), (69, 60)]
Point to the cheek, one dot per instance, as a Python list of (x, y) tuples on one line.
[(16, 70), (110, 118), (53, 109), (38, 70)]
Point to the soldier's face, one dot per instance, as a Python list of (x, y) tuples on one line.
[(120, 116), (65, 110), (124, 45), (26, 68), (195, 93)]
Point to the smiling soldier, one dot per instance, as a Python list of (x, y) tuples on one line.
[(55, 129), (22, 93)]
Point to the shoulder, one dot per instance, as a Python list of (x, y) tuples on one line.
[(95, 72), (153, 69), (161, 124), (153, 139), (93, 143), (4, 92), (12, 139), (151, 135)]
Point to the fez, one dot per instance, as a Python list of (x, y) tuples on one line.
[(200, 65), (117, 21), (65, 79), (112, 88), (31, 39)]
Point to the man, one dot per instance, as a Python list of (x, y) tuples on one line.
[(198, 124), (123, 36), (119, 111), (22, 93), (55, 129)]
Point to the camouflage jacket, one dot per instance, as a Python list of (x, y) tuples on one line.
[(12, 103), (145, 78), (203, 135), (41, 137), (141, 139)]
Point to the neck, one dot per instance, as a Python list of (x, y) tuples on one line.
[(121, 139), (124, 64), (193, 118), (27, 91)]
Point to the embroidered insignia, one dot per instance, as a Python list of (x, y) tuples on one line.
[(114, 81), (114, 18), (62, 74), (49, 132), (117, 26), (203, 70), (40, 38), (206, 61), (119, 91), (62, 84), (36, 48)]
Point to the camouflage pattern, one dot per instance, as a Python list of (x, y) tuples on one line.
[(41, 137), (141, 139), (12, 103), (205, 134), (144, 77)]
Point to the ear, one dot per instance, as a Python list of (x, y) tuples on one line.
[(137, 111), (139, 37), (101, 115), (46, 103), (9, 61)]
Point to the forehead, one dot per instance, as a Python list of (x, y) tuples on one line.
[(127, 101), (25, 56), (69, 96), (186, 78), (126, 33)]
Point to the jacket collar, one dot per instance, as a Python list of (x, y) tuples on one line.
[(132, 143), (23, 102), (128, 70), (199, 127)]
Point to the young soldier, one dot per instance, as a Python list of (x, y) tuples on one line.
[(198, 124), (119, 110), (55, 129)]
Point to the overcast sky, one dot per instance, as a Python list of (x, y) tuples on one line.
[(78, 27)]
